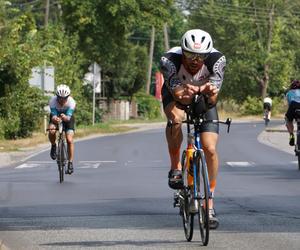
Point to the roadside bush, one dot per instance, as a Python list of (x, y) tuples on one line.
[(22, 110), (11, 125), (148, 106), (2, 128), (31, 110), (279, 106), (228, 106), (252, 106)]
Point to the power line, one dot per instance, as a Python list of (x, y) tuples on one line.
[(261, 15), (251, 16), (243, 8), (26, 3)]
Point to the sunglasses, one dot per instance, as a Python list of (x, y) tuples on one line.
[(62, 98), (194, 56)]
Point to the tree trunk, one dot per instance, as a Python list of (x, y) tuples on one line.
[(264, 81), (148, 83)]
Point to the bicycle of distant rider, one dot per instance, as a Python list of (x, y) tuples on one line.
[(196, 187), (266, 117), (297, 144)]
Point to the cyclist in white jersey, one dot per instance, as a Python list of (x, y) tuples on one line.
[(267, 106), (62, 107), (192, 69), (293, 99)]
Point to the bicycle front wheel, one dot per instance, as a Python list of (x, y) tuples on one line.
[(61, 160), (298, 156), (202, 196), (187, 217), (266, 118)]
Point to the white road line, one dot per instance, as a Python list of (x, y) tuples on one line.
[(88, 165), (42, 162), (25, 165), (35, 164), (240, 164), (82, 164), (97, 162)]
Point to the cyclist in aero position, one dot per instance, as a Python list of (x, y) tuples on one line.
[(192, 69), (293, 99), (62, 107)]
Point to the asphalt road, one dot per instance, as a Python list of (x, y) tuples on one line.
[(118, 197)]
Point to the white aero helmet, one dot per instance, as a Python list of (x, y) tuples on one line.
[(197, 41), (63, 90)]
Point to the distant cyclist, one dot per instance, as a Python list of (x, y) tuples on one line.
[(293, 99), (267, 108), (194, 68), (62, 107)]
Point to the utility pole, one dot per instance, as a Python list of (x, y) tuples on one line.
[(94, 92), (47, 6), (166, 37), (150, 61)]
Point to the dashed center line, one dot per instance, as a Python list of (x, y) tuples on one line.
[(242, 164), (28, 165), (81, 164), (97, 161)]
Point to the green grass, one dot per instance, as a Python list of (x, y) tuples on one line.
[(81, 131), (99, 128)]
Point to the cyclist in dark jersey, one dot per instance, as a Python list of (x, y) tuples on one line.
[(293, 100), (194, 68)]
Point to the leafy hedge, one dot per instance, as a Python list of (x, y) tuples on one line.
[(148, 106), (22, 47), (254, 106)]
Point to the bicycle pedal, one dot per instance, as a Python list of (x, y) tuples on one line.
[(68, 171), (176, 197), (193, 207), (176, 204)]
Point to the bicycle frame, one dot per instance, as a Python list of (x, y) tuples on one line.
[(196, 188), (197, 150), (297, 145), (62, 150), (266, 116), (62, 154)]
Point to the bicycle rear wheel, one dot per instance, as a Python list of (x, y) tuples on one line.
[(61, 159), (266, 117), (297, 152), (202, 196), (297, 146), (187, 217)]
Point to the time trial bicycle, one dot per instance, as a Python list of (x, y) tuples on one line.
[(62, 153), (297, 145), (196, 188), (266, 117)]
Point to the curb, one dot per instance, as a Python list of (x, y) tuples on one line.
[(9, 158), (276, 130), (2, 246)]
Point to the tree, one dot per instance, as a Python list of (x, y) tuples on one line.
[(105, 28), (253, 36)]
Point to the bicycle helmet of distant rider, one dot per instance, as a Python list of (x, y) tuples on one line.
[(197, 41), (63, 91), (295, 84)]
